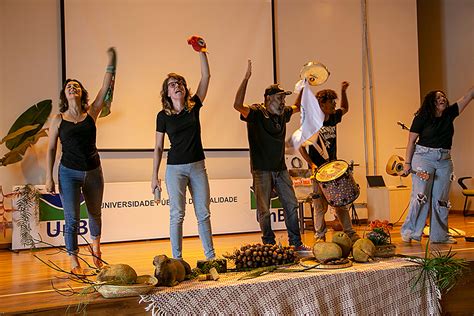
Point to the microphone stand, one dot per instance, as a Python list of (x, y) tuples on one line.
[(401, 185), (354, 216), (403, 126)]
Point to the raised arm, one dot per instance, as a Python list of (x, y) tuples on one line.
[(297, 105), (466, 99), (53, 134), (205, 77), (412, 137), (157, 155), (240, 96), (344, 100), (98, 103)]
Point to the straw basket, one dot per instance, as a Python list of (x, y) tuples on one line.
[(144, 284), (385, 251)]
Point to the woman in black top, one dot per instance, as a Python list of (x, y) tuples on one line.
[(185, 166), (80, 168), (429, 150)]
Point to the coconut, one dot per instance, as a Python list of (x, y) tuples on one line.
[(118, 274), (326, 251), (344, 242), (363, 249)]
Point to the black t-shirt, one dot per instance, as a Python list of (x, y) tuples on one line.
[(78, 141), (437, 132), (266, 134), (329, 140), (184, 133)]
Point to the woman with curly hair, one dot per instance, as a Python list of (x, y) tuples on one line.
[(80, 169), (185, 165), (429, 150)]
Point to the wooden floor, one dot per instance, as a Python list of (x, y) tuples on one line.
[(25, 282)]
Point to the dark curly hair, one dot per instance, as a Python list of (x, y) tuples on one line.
[(325, 95), (428, 107), (166, 100), (64, 105)]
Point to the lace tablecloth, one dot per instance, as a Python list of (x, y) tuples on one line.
[(379, 288)]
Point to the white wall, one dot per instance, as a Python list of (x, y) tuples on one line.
[(331, 32), (459, 64), (395, 69), (30, 71), (447, 63), (150, 44)]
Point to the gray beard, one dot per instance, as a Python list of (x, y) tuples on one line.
[(277, 111)]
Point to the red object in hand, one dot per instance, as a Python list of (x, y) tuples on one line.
[(198, 43)]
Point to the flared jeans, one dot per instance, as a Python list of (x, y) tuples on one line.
[(431, 194)]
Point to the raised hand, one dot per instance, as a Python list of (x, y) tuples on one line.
[(345, 85), (248, 74), (198, 43), (112, 56)]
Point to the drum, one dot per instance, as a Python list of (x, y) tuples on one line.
[(316, 73), (337, 183)]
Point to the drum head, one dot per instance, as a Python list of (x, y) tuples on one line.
[(331, 170), (315, 72)]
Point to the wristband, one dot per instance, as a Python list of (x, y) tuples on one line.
[(110, 69)]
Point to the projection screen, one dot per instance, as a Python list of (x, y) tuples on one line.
[(151, 40)]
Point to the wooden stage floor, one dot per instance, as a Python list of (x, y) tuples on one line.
[(25, 282)]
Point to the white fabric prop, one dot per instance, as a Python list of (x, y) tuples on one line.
[(312, 118)]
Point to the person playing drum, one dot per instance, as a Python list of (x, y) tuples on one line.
[(266, 127), (325, 150)]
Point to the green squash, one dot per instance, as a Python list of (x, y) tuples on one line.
[(363, 250), (326, 251), (118, 274), (344, 242)]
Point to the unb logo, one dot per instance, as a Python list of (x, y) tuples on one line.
[(276, 209), (51, 208), (274, 202)]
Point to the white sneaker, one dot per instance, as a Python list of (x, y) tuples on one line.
[(406, 239), (450, 240)]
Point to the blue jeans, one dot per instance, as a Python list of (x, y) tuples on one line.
[(194, 176), (264, 181), (432, 194), (70, 184)]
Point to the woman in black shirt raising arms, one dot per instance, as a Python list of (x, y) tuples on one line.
[(429, 150), (185, 166)]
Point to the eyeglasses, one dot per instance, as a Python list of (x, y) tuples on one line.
[(73, 85), (174, 84)]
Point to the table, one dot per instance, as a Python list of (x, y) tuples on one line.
[(383, 287)]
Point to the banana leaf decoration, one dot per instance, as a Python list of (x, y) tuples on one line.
[(22, 130), (26, 131)]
